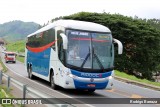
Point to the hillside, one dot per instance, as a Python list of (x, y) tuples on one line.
[(17, 30)]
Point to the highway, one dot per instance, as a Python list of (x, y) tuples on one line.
[(120, 89)]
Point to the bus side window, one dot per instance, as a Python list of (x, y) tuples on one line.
[(51, 38)]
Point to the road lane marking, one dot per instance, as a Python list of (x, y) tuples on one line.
[(136, 96), (112, 90), (119, 92), (122, 93)]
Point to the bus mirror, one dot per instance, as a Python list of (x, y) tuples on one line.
[(65, 40), (120, 46)]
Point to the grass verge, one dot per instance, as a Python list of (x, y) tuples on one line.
[(131, 77), (21, 59), (18, 47), (4, 69), (3, 95)]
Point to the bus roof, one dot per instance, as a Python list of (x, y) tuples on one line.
[(74, 24)]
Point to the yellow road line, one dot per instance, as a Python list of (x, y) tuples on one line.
[(129, 95), (136, 96), (112, 90), (118, 92)]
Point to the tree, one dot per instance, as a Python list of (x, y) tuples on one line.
[(140, 40)]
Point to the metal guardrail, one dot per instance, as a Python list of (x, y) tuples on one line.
[(21, 54), (137, 83), (30, 91)]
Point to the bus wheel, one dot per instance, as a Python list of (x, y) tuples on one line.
[(53, 85), (91, 90), (30, 73)]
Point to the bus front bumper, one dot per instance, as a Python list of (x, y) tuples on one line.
[(89, 83)]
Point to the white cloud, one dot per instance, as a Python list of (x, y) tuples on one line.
[(41, 11)]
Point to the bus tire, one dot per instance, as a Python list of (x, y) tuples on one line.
[(30, 75), (53, 85)]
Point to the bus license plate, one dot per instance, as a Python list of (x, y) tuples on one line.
[(91, 85)]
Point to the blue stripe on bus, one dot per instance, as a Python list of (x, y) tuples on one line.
[(39, 61), (85, 85), (91, 75)]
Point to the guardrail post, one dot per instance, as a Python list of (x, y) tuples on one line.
[(8, 84), (24, 93), (1, 77)]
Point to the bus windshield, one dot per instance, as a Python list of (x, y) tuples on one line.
[(89, 50)]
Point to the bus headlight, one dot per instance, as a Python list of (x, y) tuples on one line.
[(110, 77), (71, 75)]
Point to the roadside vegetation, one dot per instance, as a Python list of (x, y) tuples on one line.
[(134, 78), (17, 47), (5, 94), (21, 59), (4, 69)]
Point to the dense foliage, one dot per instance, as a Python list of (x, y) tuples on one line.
[(141, 41), (154, 22), (16, 30)]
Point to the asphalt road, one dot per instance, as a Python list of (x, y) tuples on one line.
[(120, 90)]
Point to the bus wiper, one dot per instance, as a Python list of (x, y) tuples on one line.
[(85, 60), (99, 62)]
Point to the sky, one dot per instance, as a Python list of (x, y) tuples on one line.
[(42, 11)]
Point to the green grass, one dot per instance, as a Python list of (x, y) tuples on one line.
[(18, 46), (131, 77), (2, 95), (4, 69), (21, 59)]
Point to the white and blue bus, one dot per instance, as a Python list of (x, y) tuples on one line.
[(72, 54)]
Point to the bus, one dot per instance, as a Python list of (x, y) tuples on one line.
[(72, 54)]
